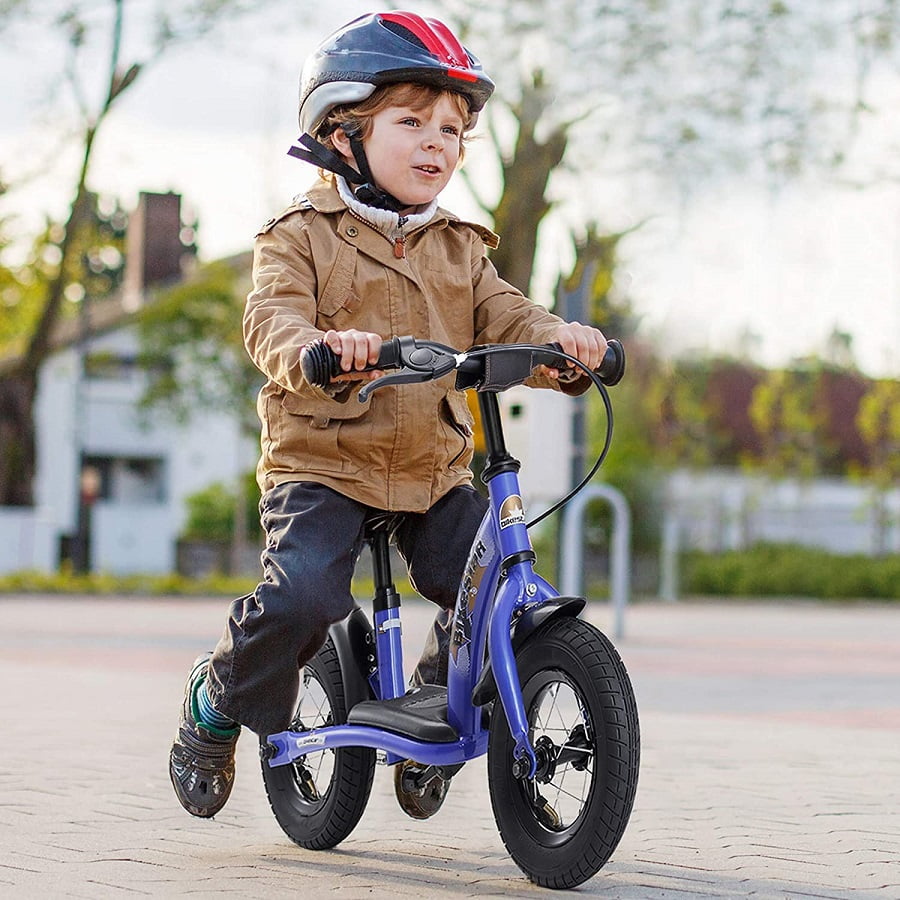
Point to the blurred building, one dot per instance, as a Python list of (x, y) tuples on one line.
[(111, 478)]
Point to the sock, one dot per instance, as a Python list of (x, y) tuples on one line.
[(209, 715)]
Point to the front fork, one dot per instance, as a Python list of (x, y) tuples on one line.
[(521, 589)]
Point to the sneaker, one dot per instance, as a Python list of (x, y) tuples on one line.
[(421, 788), (201, 763)]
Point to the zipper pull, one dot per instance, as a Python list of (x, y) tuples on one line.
[(400, 240)]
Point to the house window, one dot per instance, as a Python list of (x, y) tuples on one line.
[(108, 366), (126, 479)]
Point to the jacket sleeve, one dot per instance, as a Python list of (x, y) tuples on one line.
[(280, 313), (503, 315)]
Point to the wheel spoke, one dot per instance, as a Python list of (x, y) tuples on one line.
[(559, 715), (574, 748), (575, 797)]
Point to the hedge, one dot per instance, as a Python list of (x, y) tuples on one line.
[(768, 570)]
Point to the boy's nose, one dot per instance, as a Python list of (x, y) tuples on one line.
[(430, 139)]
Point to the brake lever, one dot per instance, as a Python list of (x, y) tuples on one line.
[(404, 376)]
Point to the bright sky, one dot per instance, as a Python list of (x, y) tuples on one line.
[(213, 122)]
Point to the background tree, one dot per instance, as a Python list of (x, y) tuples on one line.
[(660, 93), (791, 423), (63, 263), (878, 421)]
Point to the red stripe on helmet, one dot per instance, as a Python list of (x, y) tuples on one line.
[(436, 36), (462, 74)]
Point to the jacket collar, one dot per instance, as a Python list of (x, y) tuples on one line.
[(323, 197)]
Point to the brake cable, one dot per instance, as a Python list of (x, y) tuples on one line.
[(607, 403)]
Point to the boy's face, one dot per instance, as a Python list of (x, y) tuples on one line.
[(412, 153)]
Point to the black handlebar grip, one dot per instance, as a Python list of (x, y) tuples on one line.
[(320, 363), (612, 368)]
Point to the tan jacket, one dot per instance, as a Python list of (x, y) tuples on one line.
[(318, 267)]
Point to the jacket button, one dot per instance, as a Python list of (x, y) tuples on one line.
[(352, 231)]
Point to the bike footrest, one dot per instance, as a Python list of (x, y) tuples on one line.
[(421, 714)]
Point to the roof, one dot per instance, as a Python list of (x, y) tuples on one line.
[(102, 315)]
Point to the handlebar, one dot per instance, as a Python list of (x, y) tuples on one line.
[(493, 367)]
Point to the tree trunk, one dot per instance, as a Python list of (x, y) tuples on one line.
[(523, 204), (19, 388), (17, 443)]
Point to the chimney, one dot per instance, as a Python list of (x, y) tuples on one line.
[(154, 248)]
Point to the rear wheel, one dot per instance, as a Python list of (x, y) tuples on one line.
[(561, 826), (319, 798)]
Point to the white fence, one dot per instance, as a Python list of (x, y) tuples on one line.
[(727, 510), (28, 540)]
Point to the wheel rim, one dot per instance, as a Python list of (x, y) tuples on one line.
[(563, 734), (314, 772)]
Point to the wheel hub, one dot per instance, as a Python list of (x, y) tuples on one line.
[(546, 753)]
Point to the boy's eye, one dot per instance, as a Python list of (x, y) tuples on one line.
[(451, 129), (409, 120)]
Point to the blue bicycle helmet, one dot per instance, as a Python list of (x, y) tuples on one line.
[(386, 48)]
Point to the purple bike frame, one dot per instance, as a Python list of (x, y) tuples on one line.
[(498, 581)]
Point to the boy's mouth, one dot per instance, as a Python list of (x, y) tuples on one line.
[(429, 170)]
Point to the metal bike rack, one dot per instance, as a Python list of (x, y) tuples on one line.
[(572, 549)]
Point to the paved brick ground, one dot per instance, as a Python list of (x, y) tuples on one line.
[(771, 765)]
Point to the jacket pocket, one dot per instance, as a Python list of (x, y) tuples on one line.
[(338, 294), (460, 445), (315, 435)]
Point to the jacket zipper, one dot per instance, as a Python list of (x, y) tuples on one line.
[(465, 432), (400, 238)]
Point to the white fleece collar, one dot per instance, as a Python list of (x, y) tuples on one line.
[(386, 221)]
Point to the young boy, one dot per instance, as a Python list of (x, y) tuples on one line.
[(364, 255)]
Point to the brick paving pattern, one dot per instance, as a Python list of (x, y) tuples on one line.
[(771, 765)]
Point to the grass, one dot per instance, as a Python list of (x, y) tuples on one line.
[(105, 584)]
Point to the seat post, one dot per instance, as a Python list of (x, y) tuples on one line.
[(387, 682), (386, 595)]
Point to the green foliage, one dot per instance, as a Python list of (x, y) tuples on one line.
[(682, 422), (631, 466), (104, 584), (878, 421), (784, 570), (192, 346), (787, 415), (94, 269), (211, 511)]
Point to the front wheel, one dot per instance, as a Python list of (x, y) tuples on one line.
[(561, 826), (319, 798)]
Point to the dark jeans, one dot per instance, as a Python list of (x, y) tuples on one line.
[(313, 539)]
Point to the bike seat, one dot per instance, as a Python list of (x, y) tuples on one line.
[(421, 714), (381, 523)]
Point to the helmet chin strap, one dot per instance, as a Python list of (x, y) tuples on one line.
[(366, 191)]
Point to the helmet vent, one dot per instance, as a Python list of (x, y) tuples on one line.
[(403, 32)]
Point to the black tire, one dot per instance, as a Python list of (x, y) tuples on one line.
[(562, 826), (319, 799)]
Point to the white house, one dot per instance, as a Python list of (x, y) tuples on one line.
[(104, 469)]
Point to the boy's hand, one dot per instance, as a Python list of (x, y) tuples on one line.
[(356, 349), (581, 341)]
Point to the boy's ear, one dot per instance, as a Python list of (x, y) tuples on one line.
[(341, 140)]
